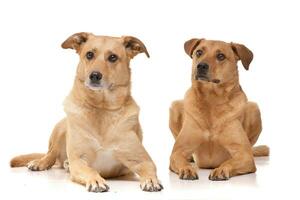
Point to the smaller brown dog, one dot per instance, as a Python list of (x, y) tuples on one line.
[(215, 123), (101, 136)]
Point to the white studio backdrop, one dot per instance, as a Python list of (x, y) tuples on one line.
[(36, 75)]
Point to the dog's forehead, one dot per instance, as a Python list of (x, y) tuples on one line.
[(104, 43), (214, 45)]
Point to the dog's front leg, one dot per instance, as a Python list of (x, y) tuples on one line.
[(83, 174), (80, 156), (189, 138), (130, 151), (234, 139)]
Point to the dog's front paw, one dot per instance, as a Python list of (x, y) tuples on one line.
[(97, 185), (221, 173), (39, 165), (151, 185), (188, 173)]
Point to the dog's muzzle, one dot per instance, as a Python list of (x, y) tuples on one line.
[(202, 73), (96, 82), (95, 77), (93, 81)]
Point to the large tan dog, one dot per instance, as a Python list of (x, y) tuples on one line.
[(215, 123), (101, 136)]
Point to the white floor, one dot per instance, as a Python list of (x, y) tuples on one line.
[(22, 183)]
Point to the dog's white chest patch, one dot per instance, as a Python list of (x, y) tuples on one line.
[(105, 162)]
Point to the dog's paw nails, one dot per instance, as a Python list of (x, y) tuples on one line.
[(31, 166), (35, 165), (220, 174), (40, 164), (97, 185), (151, 185), (188, 173)]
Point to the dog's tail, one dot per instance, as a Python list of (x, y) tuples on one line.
[(261, 150), (23, 160)]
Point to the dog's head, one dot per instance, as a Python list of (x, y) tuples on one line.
[(104, 61), (216, 61)]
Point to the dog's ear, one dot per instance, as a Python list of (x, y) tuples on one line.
[(190, 46), (134, 46), (243, 53), (75, 41)]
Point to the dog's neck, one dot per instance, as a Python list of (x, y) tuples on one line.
[(217, 93), (113, 98)]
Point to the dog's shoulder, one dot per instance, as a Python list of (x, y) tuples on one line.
[(131, 108), (192, 103), (191, 98), (70, 106)]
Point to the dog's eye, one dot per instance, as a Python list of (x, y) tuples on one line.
[(199, 53), (112, 58), (220, 56), (89, 55)]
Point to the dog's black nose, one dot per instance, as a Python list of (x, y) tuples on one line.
[(203, 67), (95, 77)]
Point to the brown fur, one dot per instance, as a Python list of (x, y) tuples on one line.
[(21, 161), (101, 136), (215, 123)]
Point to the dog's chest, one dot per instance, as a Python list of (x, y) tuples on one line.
[(106, 163), (103, 128), (103, 122), (210, 116)]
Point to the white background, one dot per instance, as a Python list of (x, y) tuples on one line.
[(36, 75)]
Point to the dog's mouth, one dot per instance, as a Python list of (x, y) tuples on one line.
[(97, 86), (202, 78), (207, 79)]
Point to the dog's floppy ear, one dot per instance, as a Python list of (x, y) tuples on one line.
[(75, 41), (134, 46), (190, 46), (243, 53)]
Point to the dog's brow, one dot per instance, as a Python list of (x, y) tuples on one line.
[(203, 48), (111, 52), (92, 49)]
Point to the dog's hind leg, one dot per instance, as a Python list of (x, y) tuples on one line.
[(56, 150), (252, 125), (176, 117)]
